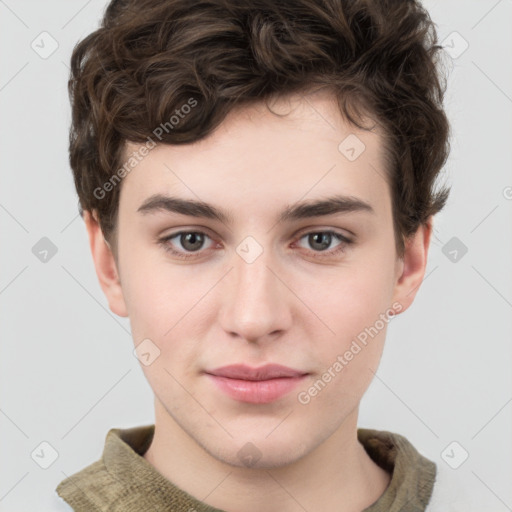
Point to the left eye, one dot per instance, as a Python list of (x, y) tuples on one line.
[(323, 239)]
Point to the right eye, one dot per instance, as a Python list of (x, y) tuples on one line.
[(191, 242)]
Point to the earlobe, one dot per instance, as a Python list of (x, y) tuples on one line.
[(105, 265), (412, 266)]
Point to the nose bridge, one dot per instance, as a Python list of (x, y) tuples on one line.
[(254, 304)]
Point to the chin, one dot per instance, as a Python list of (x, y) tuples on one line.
[(254, 452)]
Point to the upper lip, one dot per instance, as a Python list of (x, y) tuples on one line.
[(244, 372)]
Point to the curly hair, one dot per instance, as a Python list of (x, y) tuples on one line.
[(149, 58)]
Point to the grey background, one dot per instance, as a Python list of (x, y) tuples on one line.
[(67, 372)]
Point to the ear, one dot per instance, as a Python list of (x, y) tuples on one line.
[(105, 264), (411, 268)]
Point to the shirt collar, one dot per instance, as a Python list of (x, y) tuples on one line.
[(125, 478)]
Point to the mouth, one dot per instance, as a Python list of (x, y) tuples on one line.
[(256, 385)]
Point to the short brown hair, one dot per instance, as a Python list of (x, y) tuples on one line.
[(151, 57)]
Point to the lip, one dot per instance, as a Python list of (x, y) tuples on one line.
[(244, 372), (256, 385)]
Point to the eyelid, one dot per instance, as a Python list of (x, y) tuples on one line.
[(350, 237), (175, 234), (340, 248), (326, 229)]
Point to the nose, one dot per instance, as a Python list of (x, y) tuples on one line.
[(255, 299)]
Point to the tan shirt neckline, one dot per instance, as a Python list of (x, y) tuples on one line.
[(122, 480)]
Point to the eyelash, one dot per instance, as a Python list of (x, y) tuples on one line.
[(321, 254)]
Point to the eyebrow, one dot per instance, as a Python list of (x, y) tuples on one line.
[(304, 210)]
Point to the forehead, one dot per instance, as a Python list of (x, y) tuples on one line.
[(258, 157)]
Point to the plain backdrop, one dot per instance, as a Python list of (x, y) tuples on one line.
[(67, 371)]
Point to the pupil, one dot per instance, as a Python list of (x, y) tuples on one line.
[(323, 236), (191, 238)]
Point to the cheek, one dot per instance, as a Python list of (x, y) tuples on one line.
[(157, 293), (355, 307), (165, 305), (162, 306), (349, 357), (352, 299)]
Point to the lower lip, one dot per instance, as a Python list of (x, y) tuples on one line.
[(256, 392)]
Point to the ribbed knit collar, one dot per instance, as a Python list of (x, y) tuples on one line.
[(122, 480)]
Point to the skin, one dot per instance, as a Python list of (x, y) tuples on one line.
[(289, 306)]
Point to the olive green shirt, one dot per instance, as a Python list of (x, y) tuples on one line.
[(122, 480)]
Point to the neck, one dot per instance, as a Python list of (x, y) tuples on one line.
[(337, 475)]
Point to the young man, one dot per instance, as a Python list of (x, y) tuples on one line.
[(257, 183)]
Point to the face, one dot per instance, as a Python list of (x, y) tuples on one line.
[(269, 281)]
